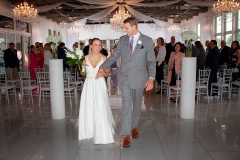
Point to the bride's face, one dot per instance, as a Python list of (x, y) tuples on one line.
[(96, 46)]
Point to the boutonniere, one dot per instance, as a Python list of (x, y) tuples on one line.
[(139, 44)]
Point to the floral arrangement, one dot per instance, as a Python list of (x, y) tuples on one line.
[(54, 40), (75, 57), (189, 36)]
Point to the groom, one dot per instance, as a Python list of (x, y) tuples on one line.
[(138, 67)]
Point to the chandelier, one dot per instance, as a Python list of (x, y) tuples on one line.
[(73, 30), (117, 20), (91, 28), (24, 12), (225, 6), (63, 24), (184, 21), (156, 28), (173, 29)]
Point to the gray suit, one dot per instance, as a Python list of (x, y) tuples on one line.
[(133, 75)]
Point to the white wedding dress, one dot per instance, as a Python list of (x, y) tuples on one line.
[(95, 115)]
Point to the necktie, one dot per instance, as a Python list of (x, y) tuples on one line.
[(131, 46)]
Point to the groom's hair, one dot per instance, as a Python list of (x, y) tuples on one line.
[(132, 21)]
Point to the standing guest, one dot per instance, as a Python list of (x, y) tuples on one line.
[(224, 53), (234, 61), (207, 45), (175, 64), (81, 45), (169, 48), (47, 56), (200, 55), (212, 62), (11, 60), (37, 44), (41, 45), (62, 55), (160, 48), (40, 57), (87, 49), (75, 44), (33, 61)]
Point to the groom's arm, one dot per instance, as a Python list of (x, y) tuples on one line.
[(114, 57), (151, 59)]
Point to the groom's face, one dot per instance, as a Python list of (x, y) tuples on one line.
[(129, 29)]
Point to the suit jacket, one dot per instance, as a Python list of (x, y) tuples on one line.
[(133, 68), (86, 50), (10, 58), (224, 55), (212, 59), (169, 48)]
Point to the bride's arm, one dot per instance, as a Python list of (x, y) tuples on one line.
[(106, 73)]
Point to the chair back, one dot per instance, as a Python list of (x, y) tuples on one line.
[(203, 77), (39, 70), (9, 73), (25, 79), (221, 69), (43, 77), (66, 79), (24, 70), (3, 79), (165, 70), (178, 78), (227, 76)]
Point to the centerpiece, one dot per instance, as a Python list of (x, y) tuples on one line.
[(189, 36), (54, 40), (75, 57)]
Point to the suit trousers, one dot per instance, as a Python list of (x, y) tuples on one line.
[(131, 109), (159, 73), (212, 79), (15, 73)]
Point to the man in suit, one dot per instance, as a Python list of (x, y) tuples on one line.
[(169, 48), (212, 62), (11, 60), (87, 49), (135, 50), (62, 55), (224, 53)]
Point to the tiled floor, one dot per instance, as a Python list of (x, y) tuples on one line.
[(27, 132)]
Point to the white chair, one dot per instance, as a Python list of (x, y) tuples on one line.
[(10, 77), (164, 84), (174, 91), (235, 86), (202, 83), (220, 73), (38, 70), (75, 80), (26, 86), (224, 85), (44, 85), (5, 88), (69, 91)]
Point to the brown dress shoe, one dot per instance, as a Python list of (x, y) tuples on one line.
[(135, 133), (126, 141)]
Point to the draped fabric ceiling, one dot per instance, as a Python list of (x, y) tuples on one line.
[(111, 5)]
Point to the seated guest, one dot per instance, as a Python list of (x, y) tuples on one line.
[(212, 62), (234, 61), (224, 53), (47, 56)]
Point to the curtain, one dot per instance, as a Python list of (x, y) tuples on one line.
[(86, 6), (47, 7), (164, 3)]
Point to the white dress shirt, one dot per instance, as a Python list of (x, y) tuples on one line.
[(135, 40), (161, 54), (47, 56)]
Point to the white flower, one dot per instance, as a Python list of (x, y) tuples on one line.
[(235, 70), (54, 38), (189, 35), (79, 52), (139, 42)]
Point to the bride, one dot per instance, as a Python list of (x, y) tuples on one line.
[(95, 116)]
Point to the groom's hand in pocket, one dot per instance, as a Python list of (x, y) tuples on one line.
[(100, 72), (149, 84)]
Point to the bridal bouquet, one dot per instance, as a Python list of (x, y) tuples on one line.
[(75, 57), (54, 40), (189, 36)]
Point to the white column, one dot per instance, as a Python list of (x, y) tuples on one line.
[(188, 87), (57, 88)]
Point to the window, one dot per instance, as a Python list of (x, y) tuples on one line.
[(49, 32), (218, 39), (228, 39), (218, 24), (198, 29), (239, 19), (228, 22)]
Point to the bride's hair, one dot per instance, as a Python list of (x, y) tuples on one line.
[(94, 39)]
